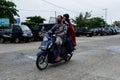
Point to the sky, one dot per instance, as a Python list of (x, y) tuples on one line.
[(48, 8)]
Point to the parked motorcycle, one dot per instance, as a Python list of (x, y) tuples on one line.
[(48, 52)]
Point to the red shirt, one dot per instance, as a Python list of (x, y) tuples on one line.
[(71, 33)]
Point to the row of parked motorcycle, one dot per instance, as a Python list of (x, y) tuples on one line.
[(97, 31), (105, 31), (20, 33)]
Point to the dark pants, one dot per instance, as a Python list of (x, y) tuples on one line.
[(69, 45)]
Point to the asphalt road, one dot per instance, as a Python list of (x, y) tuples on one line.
[(96, 58)]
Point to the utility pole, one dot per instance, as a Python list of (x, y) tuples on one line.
[(55, 14), (105, 16)]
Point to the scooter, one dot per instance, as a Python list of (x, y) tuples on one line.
[(48, 52)]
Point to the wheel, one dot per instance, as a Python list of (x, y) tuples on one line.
[(17, 40), (40, 38), (2, 40), (11, 41), (27, 40), (42, 62), (68, 57)]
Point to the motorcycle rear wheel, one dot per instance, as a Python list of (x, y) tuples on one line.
[(68, 57), (42, 62)]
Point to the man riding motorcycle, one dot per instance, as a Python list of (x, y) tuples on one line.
[(60, 29), (55, 46)]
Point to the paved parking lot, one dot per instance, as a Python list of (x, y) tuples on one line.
[(96, 58)]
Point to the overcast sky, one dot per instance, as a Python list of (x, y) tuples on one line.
[(73, 7)]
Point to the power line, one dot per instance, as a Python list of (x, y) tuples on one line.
[(30, 10), (59, 6), (39, 10), (34, 10)]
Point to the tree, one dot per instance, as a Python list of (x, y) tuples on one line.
[(81, 20), (8, 10), (88, 21), (33, 21), (95, 22)]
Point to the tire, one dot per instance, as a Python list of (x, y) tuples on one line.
[(27, 40), (17, 40), (105, 34), (2, 40), (42, 62), (11, 41), (68, 57)]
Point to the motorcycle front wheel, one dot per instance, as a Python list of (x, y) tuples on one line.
[(42, 62)]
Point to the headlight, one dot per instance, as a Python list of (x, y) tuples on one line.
[(45, 39), (43, 47), (24, 34)]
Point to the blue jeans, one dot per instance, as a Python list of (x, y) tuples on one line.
[(69, 44)]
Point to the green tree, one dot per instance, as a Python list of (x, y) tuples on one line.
[(88, 21), (8, 10), (95, 22), (33, 21), (81, 20)]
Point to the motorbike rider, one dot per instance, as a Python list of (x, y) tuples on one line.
[(60, 30), (70, 32)]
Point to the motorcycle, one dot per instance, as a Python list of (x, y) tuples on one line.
[(48, 52)]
